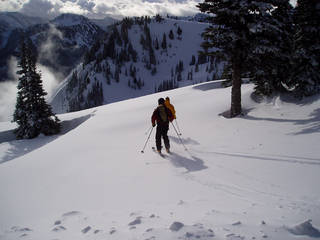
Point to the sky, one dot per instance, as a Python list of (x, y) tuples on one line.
[(102, 8)]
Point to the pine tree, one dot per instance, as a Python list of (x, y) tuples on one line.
[(164, 42), (171, 35), (193, 60), (234, 26), (156, 44), (272, 54), (306, 74), (32, 114), (179, 31)]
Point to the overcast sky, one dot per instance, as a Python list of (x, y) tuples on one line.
[(101, 8)]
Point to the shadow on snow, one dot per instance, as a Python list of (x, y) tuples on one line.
[(191, 164), (19, 148), (276, 158), (311, 125)]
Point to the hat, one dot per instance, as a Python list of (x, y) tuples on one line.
[(160, 101)]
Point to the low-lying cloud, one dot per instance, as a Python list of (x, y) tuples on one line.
[(47, 48), (8, 92)]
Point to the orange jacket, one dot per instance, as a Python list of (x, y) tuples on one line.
[(171, 107)]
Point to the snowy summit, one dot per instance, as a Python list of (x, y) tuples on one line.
[(69, 19)]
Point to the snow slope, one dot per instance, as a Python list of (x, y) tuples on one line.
[(251, 177)]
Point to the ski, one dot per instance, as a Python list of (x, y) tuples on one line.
[(161, 154)]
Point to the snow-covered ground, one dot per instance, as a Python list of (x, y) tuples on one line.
[(251, 177)]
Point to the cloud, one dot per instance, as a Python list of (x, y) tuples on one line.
[(10, 5), (69, 1), (147, 7), (8, 92), (49, 79), (47, 49), (87, 5), (41, 8), (102, 8)]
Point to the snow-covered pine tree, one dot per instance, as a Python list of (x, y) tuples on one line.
[(32, 114), (283, 62), (230, 36), (272, 50), (306, 74)]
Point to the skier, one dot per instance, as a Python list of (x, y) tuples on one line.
[(171, 107), (161, 116)]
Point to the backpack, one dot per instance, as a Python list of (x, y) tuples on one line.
[(162, 114)]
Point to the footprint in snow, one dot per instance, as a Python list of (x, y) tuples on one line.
[(236, 223), (19, 229), (232, 236), (112, 231), (58, 222), (176, 226), (71, 214), (135, 222), (86, 229), (59, 228)]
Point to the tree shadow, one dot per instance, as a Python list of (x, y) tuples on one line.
[(210, 85), (269, 157), (191, 165), (311, 125), (19, 148)]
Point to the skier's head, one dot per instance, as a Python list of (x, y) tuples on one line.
[(160, 101), (167, 99)]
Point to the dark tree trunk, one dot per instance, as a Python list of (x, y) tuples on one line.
[(236, 88)]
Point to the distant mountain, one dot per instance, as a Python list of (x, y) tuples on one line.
[(18, 20), (59, 43), (138, 56), (104, 23), (199, 17), (69, 20)]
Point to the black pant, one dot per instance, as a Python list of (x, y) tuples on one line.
[(162, 131)]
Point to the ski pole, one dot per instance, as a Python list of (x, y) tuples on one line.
[(178, 127), (148, 130), (142, 151), (179, 137)]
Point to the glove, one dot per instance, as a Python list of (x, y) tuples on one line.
[(153, 124)]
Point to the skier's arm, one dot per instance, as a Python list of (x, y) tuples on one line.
[(154, 118)]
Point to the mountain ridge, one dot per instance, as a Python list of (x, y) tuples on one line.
[(138, 56)]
